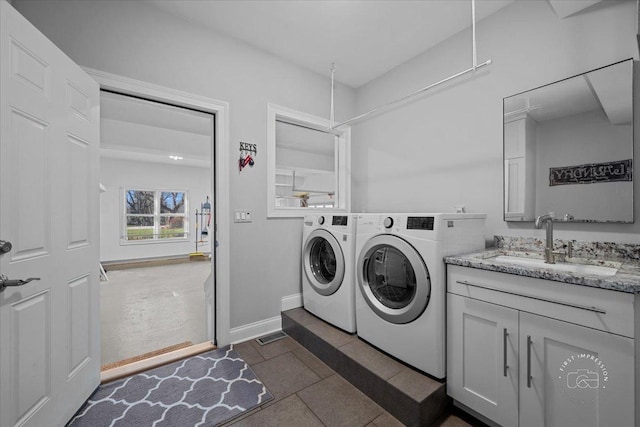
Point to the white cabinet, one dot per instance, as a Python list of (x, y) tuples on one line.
[(515, 181), (305, 188), (574, 376), (519, 168), (519, 353), (515, 138), (482, 357)]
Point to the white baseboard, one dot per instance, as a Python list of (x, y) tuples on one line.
[(291, 301), (255, 329), (267, 326)]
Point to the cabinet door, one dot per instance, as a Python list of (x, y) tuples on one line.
[(482, 362), (515, 184), (514, 139), (574, 376)]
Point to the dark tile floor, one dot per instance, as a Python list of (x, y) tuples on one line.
[(309, 393), (413, 398)]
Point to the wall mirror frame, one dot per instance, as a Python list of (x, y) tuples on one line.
[(568, 148), (307, 165)]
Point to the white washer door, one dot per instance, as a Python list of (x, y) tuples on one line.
[(393, 278), (323, 262)]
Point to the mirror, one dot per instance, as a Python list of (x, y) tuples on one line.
[(307, 164), (568, 148), (305, 167)]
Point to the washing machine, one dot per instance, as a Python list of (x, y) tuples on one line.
[(328, 268), (401, 281)]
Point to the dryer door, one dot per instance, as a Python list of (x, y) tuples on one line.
[(323, 262), (393, 279)]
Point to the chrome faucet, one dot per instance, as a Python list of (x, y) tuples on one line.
[(549, 254)]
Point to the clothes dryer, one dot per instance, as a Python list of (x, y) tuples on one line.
[(328, 266), (401, 281)]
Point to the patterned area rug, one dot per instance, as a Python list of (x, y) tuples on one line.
[(204, 390)]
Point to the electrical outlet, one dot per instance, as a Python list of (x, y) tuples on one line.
[(242, 215)]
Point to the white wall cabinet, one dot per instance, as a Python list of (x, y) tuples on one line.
[(319, 186), (518, 354), (519, 168), (515, 138), (514, 189)]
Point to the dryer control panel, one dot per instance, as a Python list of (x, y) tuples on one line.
[(420, 223)]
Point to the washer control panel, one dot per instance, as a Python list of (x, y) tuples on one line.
[(339, 220)]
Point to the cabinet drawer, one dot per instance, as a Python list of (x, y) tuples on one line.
[(595, 308)]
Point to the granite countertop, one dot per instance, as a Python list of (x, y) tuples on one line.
[(627, 278)]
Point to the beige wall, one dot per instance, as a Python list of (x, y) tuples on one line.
[(445, 148), (137, 41)]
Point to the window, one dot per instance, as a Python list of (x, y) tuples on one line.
[(307, 164), (155, 215)]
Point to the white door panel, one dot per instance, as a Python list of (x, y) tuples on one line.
[(49, 145), (30, 344), (482, 357), (559, 355)]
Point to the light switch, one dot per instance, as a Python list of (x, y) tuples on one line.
[(242, 215)]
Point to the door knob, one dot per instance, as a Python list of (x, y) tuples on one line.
[(5, 247), (6, 282)]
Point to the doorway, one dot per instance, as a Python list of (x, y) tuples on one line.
[(157, 225)]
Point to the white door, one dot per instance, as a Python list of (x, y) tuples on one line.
[(49, 146)]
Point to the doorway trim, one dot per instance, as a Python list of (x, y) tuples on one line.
[(220, 160)]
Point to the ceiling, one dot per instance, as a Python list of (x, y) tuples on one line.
[(364, 38), (145, 131)]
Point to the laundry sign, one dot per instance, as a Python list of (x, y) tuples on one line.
[(621, 170)]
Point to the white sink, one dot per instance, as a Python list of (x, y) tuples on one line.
[(571, 268)]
